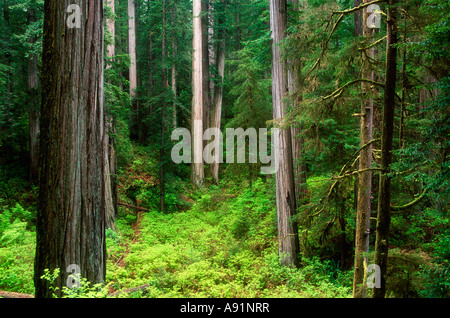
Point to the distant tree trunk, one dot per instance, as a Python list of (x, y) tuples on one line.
[(174, 70), (132, 47), (384, 195), (108, 142), (198, 173), (136, 130), (71, 206), (33, 113), (364, 178), (358, 19), (205, 66), (294, 87), (288, 246), (218, 89), (165, 86)]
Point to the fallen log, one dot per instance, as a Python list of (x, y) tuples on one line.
[(130, 290), (132, 207)]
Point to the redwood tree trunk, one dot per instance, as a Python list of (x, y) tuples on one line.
[(288, 246), (384, 195), (198, 173), (33, 113), (218, 89), (108, 142), (71, 206), (364, 178)]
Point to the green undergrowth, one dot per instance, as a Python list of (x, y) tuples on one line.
[(224, 246)]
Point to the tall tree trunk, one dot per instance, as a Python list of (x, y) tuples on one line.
[(364, 178), (358, 19), (165, 85), (33, 113), (132, 47), (108, 142), (294, 87), (288, 246), (173, 69), (71, 207), (136, 131), (218, 89), (384, 195), (205, 66), (198, 173)]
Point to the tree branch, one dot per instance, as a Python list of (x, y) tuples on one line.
[(401, 208), (362, 5), (339, 91)]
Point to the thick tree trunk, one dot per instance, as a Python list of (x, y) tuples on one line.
[(71, 206), (384, 195), (198, 173), (364, 178), (288, 246)]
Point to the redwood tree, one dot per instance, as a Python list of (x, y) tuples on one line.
[(384, 194), (288, 245), (71, 204)]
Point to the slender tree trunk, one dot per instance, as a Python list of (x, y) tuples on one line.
[(165, 86), (288, 246), (108, 142), (173, 69), (364, 178), (71, 206), (218, 89), (33, 113), (384, 195), (198, 174), (136, 131), (205, 65), (358, 19), (294, 87), (132, 46)]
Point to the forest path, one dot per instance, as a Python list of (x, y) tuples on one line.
[(7, 294)]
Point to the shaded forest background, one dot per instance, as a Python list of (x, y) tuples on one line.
[(221, 240)]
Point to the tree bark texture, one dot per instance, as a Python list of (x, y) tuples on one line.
[(108, 142), (33, 113), (198, 173), (364, 178), (294, 86), (288, 245), (384, 194), (132, 47), (218, 89), (71, 205)]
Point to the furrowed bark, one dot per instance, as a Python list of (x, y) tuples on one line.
[(384, 195), (197, 173), (364, 178), (71, 207), (288, 245)]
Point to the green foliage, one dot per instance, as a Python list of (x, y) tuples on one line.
[(17, 248)]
